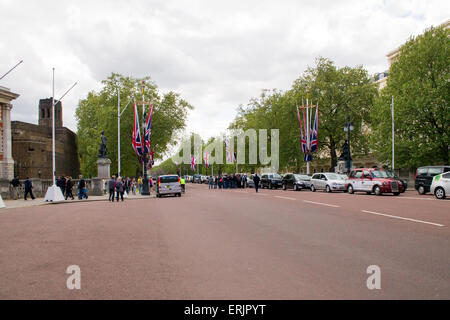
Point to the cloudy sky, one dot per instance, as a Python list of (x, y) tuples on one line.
[(216, 54)]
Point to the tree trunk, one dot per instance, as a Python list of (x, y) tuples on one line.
[(333, 154)]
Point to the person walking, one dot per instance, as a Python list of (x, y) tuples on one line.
[(215, 182), (69, 186), (119, 189), (15, 184), (183, 184), (127, 185), (210, 182), (62, 184), (256, 180), (28, 189), (111, 187), (244, 181), (133, 186), (81, 188), (140, 185)]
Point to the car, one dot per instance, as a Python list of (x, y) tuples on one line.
[(424, 177), (168, 184), (328, 181), (270, 180), (293, 181), (373, 180), (440, 186), (250, 182), (197, 178)]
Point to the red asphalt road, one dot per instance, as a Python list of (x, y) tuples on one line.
[(229, 244)]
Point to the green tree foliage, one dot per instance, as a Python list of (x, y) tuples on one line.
[(340, 92), (98, 112), (419, 82)]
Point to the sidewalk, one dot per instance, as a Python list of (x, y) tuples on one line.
[(21, 203)]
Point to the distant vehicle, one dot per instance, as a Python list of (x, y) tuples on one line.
[(328, 181), (424, 177), (305, 178), (440, 186), (197, 178), (270, 180), (250, 182), (373, 180), (168, 184), (293, 181), (203, 179)]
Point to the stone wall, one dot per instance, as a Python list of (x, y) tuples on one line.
[(32, 151)]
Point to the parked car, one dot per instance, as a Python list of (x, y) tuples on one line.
[(373, 180), (196, 178), (328, 181), (424, 177), (250, 182), (440, 186), (270, 180), (306, 180), (168, 184), (293, 181)]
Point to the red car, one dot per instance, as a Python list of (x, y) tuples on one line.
[(373, 180)]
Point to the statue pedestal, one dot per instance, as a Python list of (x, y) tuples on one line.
[(340, 168), (103, 165)]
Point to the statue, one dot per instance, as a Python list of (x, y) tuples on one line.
[(102, 150), (344, 153)]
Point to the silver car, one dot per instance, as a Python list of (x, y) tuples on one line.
[(327, 181), (168, 184), (440, 186)]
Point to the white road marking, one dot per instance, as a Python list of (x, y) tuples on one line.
[(414, 198), (402, 218), (285, 198), (262, 194), (323, 204)]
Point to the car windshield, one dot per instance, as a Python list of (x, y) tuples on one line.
[(381, 174), (302, 177), (333, 176), (168, 179), (276, 176)]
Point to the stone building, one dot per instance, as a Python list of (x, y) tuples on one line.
[(32, 145), (6, 158)]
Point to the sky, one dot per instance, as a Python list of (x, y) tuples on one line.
[(216, 54)]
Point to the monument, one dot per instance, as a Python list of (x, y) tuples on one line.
[(103, 168)]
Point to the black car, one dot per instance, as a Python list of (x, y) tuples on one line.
[(293, 181), (424, 177), (270, 180)]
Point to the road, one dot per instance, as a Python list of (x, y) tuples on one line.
[(229, 244)]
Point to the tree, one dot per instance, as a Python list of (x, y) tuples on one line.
[(98, 112), (340, 92), (419, 83)]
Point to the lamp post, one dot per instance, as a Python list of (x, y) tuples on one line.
[(348, 127), (145, 186)]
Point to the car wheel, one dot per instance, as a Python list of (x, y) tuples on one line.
[(421, 190), (295, 187), (350, 189), (377, 191), (439, 193), (270, 186), (313, 189), (396, 193), (328, 189), (284, 186), (368, 193)]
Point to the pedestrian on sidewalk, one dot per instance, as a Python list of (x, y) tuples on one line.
[(133, 186), (69, 186), (256, 180), (62, 184), (210, 182), (183, 184), (111, 187), (127, 184), (119, 189), (82, 191), (28, 189), (15, 185), (215, 182), (140, 185)]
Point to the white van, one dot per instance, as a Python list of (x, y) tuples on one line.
[(168, 184)]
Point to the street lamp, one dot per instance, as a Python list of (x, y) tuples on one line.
[(348, 127)]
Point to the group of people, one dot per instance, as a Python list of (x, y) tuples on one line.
[(118, 186), (15, 188), (66, 185), (235, 181)]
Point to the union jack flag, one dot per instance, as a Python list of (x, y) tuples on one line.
[(229, 153), (206, 158), (315, 132), (148, 130), (192, 163), (136, 140)]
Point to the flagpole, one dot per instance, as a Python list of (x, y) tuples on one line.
[(118, 132), (53, 128), (393, 136), (307, 131)]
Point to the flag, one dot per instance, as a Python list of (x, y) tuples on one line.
[(302, 136), (229, 153), (192, 163), (206, 158), (314, 132), (136, 140), (148, 130)]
